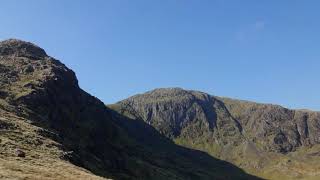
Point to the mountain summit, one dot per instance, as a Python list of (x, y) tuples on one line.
[(18, 48)]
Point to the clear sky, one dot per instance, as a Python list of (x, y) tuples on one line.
[(265, 51)]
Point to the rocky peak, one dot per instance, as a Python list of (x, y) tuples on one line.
[(19, 48), (28, 73), (168, 94), (167, 91)]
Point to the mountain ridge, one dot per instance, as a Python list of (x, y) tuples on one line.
[(229, 129), (218, 96)]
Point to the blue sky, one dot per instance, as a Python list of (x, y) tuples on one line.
[(265, 51)]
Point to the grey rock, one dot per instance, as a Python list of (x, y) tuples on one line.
[(180, 113), (20, 153)]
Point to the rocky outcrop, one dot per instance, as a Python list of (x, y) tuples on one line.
[(18, 48)]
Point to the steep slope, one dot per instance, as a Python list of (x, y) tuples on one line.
[(43, 155), (285, 129), (51, 129), (257, 137)]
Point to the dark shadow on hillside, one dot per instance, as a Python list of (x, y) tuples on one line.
[(114, 146), (192, 164)]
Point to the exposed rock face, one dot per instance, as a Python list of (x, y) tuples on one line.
[(282, 129), (44, 94), (179, 113)]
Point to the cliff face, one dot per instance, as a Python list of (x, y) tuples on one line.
[(283, 130), (248, 134), (190, 114), (55, 122)]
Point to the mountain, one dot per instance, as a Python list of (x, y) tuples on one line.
[(51, 129), (266, 140)]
